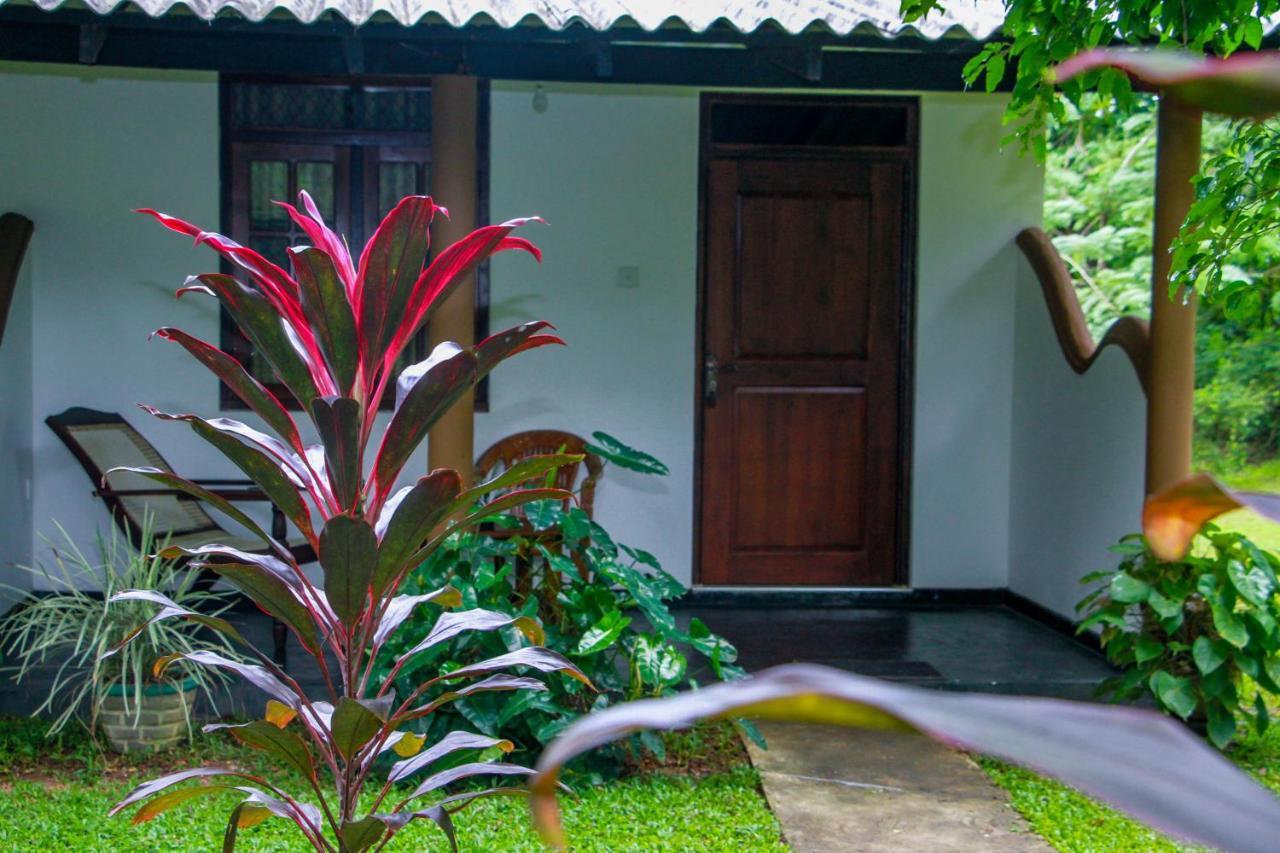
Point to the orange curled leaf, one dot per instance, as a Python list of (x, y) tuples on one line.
[(279, 714), (1172, 517)]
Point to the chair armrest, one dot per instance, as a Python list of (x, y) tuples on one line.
[(216, 482), (237, 494)]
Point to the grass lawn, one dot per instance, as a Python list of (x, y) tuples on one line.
[(1259, 478), (58, 801)]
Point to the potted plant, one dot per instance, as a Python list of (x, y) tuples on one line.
[(99, 677)]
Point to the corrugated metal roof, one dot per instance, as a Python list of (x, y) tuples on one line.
[(972, 18)]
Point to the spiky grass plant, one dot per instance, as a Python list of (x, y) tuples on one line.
[(72, 624)]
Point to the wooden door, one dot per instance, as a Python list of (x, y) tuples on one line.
[(802, 313)]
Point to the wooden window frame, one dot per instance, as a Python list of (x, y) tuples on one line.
[(355, 169)]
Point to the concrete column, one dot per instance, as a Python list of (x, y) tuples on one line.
[(451, 442), (1173, 321)]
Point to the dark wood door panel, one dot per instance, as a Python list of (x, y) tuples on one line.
[(802, 315)]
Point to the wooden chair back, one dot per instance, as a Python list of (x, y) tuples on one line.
[(513, 448)]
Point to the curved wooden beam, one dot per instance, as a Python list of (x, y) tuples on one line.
[(15, 234), (1129, 333)]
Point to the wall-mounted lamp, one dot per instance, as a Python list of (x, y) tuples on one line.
[(539, 99)]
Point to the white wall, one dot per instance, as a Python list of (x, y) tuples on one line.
[(1078, 449), (614, 171), (974, 199), (15, 439)]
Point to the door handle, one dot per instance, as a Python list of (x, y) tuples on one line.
[(710, 379)]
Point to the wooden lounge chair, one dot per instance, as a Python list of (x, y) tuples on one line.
[(513, 448), (101, 441)]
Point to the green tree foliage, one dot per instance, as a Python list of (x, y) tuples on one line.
[(1038, 34)]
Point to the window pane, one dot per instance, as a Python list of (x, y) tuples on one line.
[(395, 181), (268, 182), (317, 178), (272, 248)]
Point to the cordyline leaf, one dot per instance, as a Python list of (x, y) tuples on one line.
[(452, 742), (284, 744), (279, 715), (169, 609), (252, 392), (389, 266), (325, 303), (337, 420), (324, 239), (155, 786), (534, 657), (348, 554), (449, 269), (436, 814), (497, 506), (256, 675), (407, 519), (493, 684), (257, 806), (405, 744), (173, 481), (424, 392), (498, 347), (257, 318), (353, 725), (436, 781), (268, 473), (164, 802), (360, 835), (451, 624), (399, 608), (1140, 762), (275, 593), (1246, 85), (1172, 517)]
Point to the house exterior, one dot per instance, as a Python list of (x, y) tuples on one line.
[(782, 255)]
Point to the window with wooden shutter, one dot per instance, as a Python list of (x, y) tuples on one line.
[(357, 146)]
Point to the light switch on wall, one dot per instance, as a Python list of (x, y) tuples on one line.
[(629, 277)]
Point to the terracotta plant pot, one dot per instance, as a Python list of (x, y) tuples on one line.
[(160, 722)]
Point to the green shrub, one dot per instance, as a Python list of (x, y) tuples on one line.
[(602, 604), (1188, 632), (1237, 396)]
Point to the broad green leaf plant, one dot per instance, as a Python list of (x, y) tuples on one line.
[(1188, 631), (603, 604), (332, 329)]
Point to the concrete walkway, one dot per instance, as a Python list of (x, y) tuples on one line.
[(848, 789)]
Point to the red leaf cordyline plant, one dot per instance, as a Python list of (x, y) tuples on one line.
[(332, 332)]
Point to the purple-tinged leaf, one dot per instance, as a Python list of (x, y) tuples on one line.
[(255, 316), (452, 742), (407, 519), (325, 240), (493, 684), (534, 657), (389, 266), (281, 488), (424, 392), (337, 420), (282, 743), (252, 392), (1173, 517), (399, 608), (304, 815), (449, 269), (155, 786), (277, 593), (348, 554), (450, 624), (256, 675), (498, 347), (1246, 85), (360, 835), (353, 725), (173, 481), (436, 781), (436, 814), (169, 609), (324, 302), (161, 804), (1140, 762)]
